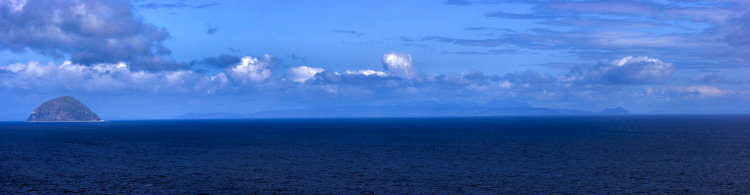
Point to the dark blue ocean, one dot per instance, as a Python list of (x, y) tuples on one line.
[(519, 155)]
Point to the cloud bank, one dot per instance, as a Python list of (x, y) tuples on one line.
[(686, 31), (628, 70), (84, 31), (398, 78)]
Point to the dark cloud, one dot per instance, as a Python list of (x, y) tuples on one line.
[(468, 42), (302, 59), (608, 29), (529, 77), (476, 28), (517, 40), (351, 32), (176, 5), (568, 19), (478, 78), (86, 31), (692, 50), (234, 50), (457, 2), (480, 2), (222, 61), (156, 64), (613, 7), (605, 23), (484, 28), (502, 14), (212, 30), (485, 52)]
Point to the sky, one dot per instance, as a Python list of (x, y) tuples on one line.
[(143, 59)]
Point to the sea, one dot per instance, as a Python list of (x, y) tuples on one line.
[(662, 154)]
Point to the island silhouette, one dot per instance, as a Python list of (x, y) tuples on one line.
[(63, 109)]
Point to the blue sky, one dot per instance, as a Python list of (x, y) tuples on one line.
[(160, 59)]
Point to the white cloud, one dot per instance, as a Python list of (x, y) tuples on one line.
[(251, 70), (303, 73), (640, 69), (505, 85), (688, 92), (699, 91), (15, 5), (212, 84), (98, 77), (631, 59), (254, 74), (399, 64), (632, 39), (627, 70), (366, 72)]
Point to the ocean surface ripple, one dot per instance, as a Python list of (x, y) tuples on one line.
[(575, 154)]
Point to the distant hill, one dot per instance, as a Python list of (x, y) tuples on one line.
[(213, 115), (615, 111), (62, 109), (418, 109)]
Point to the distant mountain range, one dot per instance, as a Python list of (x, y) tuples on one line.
[(425, 109), (615, 111)]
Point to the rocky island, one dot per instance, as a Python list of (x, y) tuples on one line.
[(63, 109)]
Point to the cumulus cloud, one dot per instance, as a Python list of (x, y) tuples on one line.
[(363, 78), (366, 72), (628, 70), (99, 77), (85, 31), (400, 64), (590, 82), (594, 83), (121, 77), (692, 92), (303, 73), (638, 70), (252, 70)]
